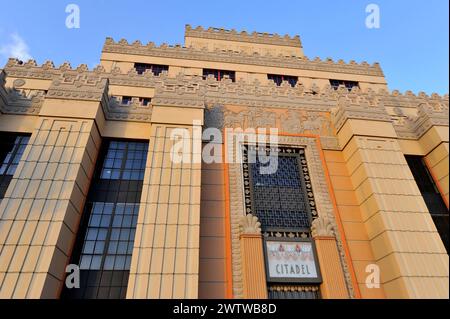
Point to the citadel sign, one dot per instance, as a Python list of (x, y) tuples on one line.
[(292, 261)]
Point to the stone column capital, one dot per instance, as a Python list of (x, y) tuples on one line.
[(249, 225), (323, 227)]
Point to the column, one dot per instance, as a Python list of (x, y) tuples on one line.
[(40, 214), (406, 245), (253, 263), (165, 262), (333, 281)]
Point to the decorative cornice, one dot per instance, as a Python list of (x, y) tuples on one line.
[(348, 110), (429, 114), (85, 86), (243, 36), (249, 225), (228, 56), (194, 91), (323, 227), (14, 101)]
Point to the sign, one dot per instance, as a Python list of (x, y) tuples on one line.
[(291, 261)]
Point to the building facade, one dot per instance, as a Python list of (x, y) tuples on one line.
[(357, 206)]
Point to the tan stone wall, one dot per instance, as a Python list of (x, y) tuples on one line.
[(212, 272), (165, 257), (40, 213), (355, 232), (402, 235)]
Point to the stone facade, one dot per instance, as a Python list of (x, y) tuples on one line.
[(193, 236)]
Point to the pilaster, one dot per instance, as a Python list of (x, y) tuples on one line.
[(333, 285), (253, 270), (406, 245)]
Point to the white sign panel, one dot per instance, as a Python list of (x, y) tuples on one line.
[(291, 260)]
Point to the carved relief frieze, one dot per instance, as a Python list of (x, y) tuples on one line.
[(253, 104)]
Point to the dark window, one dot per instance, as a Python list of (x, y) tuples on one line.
[(105, 241), (219, 74), (431, 195), (348, 84), (144, 101), (126, 100), (155, 68), (12, 147), (284, 204), (278, 79), (124, 160)]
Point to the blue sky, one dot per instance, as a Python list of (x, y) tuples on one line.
[(412, 43)]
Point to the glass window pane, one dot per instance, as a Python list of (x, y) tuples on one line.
[(128, 262), (105, 221), (124, 234), (95, 221), (91, 234), (115, 233), (99, 247), (88, 247), (134, 175), (85, 262), (108, 208), (120, 208), (117, 221), (112, 248), (98, 208), (102, 234), (120, 263), (106, 174), (115, 174), (130, 247), (122, 247), (126, 174), (129, 208), (109, 263), (95, 263), (108, 163), (127, 221)]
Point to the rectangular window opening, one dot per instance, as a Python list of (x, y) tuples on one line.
[(105, 240)]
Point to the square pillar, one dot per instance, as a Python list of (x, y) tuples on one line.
[(407, 248)]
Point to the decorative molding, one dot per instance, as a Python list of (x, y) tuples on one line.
[(428, 115), (264, 104), (16, 101), (18, 83), (249, 224), (228, 56), (243, 36), (322, 198), (323, 226)]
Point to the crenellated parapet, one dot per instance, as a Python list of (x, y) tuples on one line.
[(243, 36), (231, 56)]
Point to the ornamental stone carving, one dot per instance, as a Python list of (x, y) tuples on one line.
[(322, 227), (411, 114), (249, 224)]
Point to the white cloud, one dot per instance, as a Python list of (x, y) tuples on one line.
[(15, 48)]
